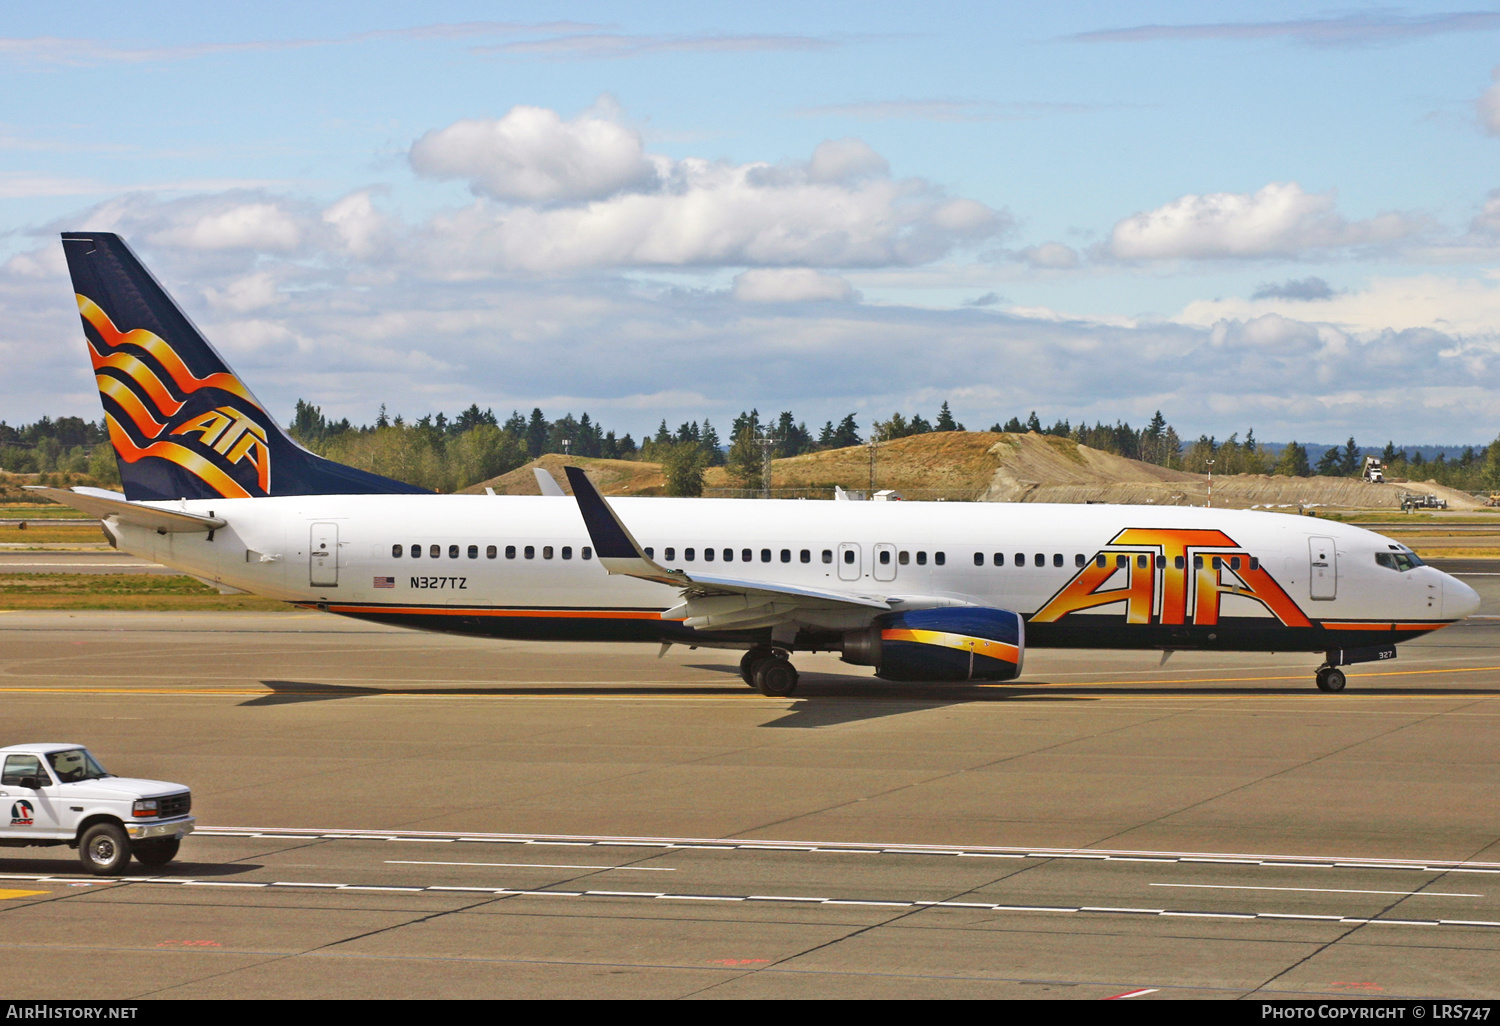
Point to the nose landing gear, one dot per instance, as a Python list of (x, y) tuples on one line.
[(1330, 678), (770, 671)]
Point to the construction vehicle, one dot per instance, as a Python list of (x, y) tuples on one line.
[(1374, 470)]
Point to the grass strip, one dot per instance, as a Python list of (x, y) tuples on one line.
[(162, 592)]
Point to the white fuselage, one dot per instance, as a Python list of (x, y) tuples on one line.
[(517, 566)]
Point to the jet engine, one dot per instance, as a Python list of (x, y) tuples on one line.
[(951, 643)]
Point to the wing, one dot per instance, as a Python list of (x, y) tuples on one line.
[(709, 600)]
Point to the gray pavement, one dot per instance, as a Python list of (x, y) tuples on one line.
[(1215, 827)]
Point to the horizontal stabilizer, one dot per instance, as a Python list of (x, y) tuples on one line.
[(96, 502)]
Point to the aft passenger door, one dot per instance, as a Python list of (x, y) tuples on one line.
[(1323, 573), (323, 556), (849, 566)]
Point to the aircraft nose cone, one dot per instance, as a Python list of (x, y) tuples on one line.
[(1459, 600)]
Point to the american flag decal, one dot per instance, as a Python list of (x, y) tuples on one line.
[(385, 582)]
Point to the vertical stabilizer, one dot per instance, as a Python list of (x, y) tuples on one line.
[(182, 423)]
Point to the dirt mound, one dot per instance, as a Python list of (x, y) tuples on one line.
[(998, 467), (613, 477)]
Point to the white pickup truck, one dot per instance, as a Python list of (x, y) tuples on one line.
[(59, 794)]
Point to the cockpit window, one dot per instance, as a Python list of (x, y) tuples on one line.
[(74, 765), (1399, 561)]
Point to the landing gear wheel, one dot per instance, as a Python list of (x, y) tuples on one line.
[(747, 664), (104, 849), (157, 853), (775, 676), (1331, 678)]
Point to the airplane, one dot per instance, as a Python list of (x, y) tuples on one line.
[(922, 592)]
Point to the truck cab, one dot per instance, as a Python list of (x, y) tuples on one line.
[(57, 793)]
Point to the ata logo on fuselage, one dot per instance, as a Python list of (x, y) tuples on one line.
[(1171, 576)]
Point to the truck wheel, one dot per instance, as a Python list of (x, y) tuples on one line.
[(157, 853), (104, 849)]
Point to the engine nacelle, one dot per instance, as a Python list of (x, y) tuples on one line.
[(949, 643)]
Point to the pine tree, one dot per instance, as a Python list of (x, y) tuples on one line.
[(847, 433), (1349, 465), (537, 430), (945, 421), (708, 440), (1293, 462)]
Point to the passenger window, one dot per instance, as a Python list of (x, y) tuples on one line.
[(1078, 559), (940, 558), (490, 552), (903, 557), (671, 554), (1161, 562), (546, 551), (529, 552), (1020, 559), (979, 559), (510, 552), (828, 556), (18, 766), (587, 553), (729, 555), (435, 551), (688, 554), (650, 552), (805, 555), (1122, 560), (765, 555), (708, 555), (1101, 561), (1197, 562), (921, 559), (452, 551), (746, 555), (1179, 562), (848, 555), (1254, 562), (786, 555), (998, 559), (473, 551), (1057, 559), (396, 551), (885, 557), (567, 552), (1234, 562), (1040, 559), (416, 552), (1142, 561)]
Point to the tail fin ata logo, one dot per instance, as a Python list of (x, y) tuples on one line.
[(217, 446), (1171, 576)]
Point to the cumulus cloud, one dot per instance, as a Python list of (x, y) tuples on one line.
[(264, 226), (790, 285), (1301, 289), (533, 155), (583, 193), (1279, 220)]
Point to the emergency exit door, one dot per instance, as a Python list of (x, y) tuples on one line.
[(1323, 573), (323, 556)]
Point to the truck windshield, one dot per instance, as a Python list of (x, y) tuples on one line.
[(74, 765)]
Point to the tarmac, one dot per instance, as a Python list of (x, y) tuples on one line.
[(389, 814)]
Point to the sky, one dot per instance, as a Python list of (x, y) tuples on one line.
[(1285, 220)]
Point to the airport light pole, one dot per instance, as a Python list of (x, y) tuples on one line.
[(1210, 483), (874, 444)]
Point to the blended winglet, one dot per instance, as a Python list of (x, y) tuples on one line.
[(616, 547)]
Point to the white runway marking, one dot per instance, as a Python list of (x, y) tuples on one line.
[(1320, 890), (877, 903), (859, 848), (530, 865)]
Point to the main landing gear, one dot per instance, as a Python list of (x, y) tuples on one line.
[(1330, 678), (770, 670)]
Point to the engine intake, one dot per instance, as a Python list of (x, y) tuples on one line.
[(952, 643)]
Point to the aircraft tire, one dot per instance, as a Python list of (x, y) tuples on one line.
[(775, 677), (1331, 678), (747, 664)]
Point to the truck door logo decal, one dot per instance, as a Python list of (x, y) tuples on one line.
[(20, 813), (133, 369), (1171, 576)]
